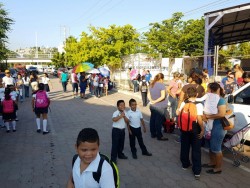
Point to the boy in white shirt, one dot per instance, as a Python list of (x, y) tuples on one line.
[(87, 163), (120, 120), (134, 128)]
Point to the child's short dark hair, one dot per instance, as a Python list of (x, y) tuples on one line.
[(131, 100), (192, 92), (214, 86), (119, 102), (198, 81), (87, 135), (41, 86)]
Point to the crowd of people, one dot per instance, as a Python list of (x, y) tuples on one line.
[(98, 85), (15, 90)]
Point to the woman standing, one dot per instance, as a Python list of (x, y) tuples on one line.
[(26, 83), (83, 84), (158, 106), (230, 85), (173, 89), (217, 134), (238, 74)]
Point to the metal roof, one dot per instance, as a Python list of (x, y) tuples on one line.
[(230, 25)]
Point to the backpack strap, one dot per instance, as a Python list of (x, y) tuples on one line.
[(74, 159), (98, 173)]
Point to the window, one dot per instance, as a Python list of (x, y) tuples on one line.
[(243, 97)]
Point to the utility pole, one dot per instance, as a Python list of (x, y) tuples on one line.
[(36, 56)]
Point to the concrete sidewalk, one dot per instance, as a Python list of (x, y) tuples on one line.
[(32, 160)]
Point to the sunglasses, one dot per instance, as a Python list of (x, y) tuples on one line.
[(230, 77)]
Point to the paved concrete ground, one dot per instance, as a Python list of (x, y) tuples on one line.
[(32, 160)]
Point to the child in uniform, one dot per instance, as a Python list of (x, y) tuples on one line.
[(134, 128), (87, 162), (120, 120)]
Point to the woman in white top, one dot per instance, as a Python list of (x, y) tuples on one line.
[(26, 83), (46, 82)]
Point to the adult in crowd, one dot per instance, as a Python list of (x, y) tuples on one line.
[(64, 79), (148, 76), (158, 106), (136, 83), (205, 73), (26, 83), (217, 134), (34, 81), (226, 77), (194, 80), (74, 81), (238, 74), (7, 79), (83, 84), (47, 83), (246, 77), (173, 89), (230, 85)]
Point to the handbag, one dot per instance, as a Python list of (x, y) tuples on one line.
[(229, 120)]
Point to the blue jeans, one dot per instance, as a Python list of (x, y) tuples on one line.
[(64, 85), (156, 121), (26, 90), (174, 104)]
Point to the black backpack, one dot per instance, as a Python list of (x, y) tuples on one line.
[(98, 173)]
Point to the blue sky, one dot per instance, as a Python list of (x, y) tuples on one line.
[(47, 18)]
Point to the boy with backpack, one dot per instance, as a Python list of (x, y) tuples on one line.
[(120, 121), (134, 129), (90, 169), (191, 126), (8, 110), (40, 105)]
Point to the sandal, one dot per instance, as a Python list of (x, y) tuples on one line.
[(211, 171), (207, 166)]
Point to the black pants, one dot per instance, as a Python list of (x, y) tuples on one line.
[(136, 133), (144, 98), (64, 85), (118, 138), (188, 139)]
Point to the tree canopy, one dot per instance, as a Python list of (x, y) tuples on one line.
[(5, 23)]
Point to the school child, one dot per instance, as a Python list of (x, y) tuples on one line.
[(14, 96), (120, 120), (134, 128), (144, 90), (40, 105), (8, 110), (191, 126), (87, 163)]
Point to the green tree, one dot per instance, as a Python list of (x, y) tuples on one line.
[(58, 60), (192, 37), (5, 23), (164, 37), (244, 49)]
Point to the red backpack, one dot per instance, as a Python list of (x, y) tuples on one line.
[(187, 116), (41, 100), (8, 106)]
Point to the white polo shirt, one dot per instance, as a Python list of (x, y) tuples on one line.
[(120, 124), (8, 81), (85, 179), (135, 118)]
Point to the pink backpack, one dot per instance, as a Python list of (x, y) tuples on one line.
[(8, 106), (41, 100)]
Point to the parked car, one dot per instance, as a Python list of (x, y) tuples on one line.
[(33, 69)]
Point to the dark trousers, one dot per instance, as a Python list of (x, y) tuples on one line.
[(136, 133), (144, 98), (136, 86), (118, 138), (26, 90), (188, 139), (64, 85), (156, 121), (96, 91)]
